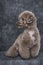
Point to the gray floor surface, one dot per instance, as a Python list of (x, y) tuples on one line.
[(19, 61)]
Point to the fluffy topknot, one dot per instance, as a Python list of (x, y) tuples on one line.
[(29, 13)]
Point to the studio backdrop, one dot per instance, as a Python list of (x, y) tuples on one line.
[(9, 11)]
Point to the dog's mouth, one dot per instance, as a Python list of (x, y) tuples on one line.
[(19, 25)]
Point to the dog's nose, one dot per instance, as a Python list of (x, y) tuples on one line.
[(17, 23)]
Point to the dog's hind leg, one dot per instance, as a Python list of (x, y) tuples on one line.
[(12, 51)]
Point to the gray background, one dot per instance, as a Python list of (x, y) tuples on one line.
[(9, 11)]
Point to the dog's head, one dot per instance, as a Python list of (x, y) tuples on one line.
[(26, 19)]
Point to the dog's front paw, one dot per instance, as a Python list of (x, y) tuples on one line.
[(7, 53), (11, 54)]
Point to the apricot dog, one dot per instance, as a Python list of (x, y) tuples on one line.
[(28, 42)]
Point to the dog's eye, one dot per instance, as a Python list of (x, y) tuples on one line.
[(22, 19)]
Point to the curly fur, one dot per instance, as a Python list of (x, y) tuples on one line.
[(28, 42)]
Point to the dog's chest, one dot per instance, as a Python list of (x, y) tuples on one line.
[(31, 33)]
